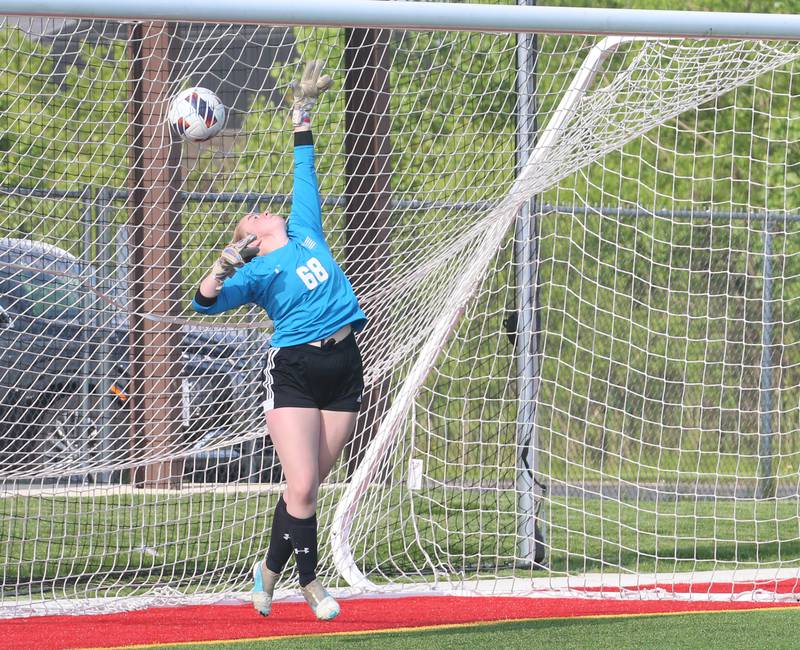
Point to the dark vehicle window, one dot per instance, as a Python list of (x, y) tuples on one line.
[(42, 295)]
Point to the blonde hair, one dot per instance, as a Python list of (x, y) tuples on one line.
[(238, 231)]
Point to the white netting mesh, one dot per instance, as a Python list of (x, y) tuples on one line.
[(659, 314)]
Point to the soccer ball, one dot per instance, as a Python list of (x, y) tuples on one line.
[(196, 115)]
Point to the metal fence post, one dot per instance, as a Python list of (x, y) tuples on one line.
[(766, 481), (87, 324), (526, 259), (105, 326)]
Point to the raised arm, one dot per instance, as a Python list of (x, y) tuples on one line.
[(306, 212)]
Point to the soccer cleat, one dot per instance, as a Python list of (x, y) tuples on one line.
[(264, 587), (320, 601)]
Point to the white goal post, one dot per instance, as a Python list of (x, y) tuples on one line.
[(578, 248)]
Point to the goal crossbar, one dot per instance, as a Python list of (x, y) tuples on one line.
[(430, 16)]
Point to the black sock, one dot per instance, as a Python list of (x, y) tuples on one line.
[(303, 533), (280, 545)]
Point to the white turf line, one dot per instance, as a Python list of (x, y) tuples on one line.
[(88, 491), (633, 586), (564, 587)]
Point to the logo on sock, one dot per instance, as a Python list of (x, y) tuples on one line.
[(286, 536), (305, 550)]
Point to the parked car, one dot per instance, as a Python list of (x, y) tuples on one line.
[(64, 374)]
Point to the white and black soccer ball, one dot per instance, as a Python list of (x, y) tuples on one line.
[(196, 115)]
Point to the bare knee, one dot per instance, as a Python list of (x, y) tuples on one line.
[(301, 496)]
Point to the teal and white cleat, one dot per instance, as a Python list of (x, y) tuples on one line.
[(320, 601), (264, 587)]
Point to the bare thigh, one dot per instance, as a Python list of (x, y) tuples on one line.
[(296, 434), (337, 428)]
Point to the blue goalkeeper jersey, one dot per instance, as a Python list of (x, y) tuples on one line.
[(300, 285)]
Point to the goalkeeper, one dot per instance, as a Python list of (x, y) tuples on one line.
[(313, 377)]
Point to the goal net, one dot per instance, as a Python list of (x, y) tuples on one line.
[(579, 256)]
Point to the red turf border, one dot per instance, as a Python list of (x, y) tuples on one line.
[(224, 622), (775, 586)]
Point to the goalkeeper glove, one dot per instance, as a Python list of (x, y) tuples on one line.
[(307, 91), (232, 257)]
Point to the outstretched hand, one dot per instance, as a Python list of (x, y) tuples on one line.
[(307, 90), (232, 257)]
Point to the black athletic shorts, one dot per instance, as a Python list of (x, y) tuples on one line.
[(329, 378)]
